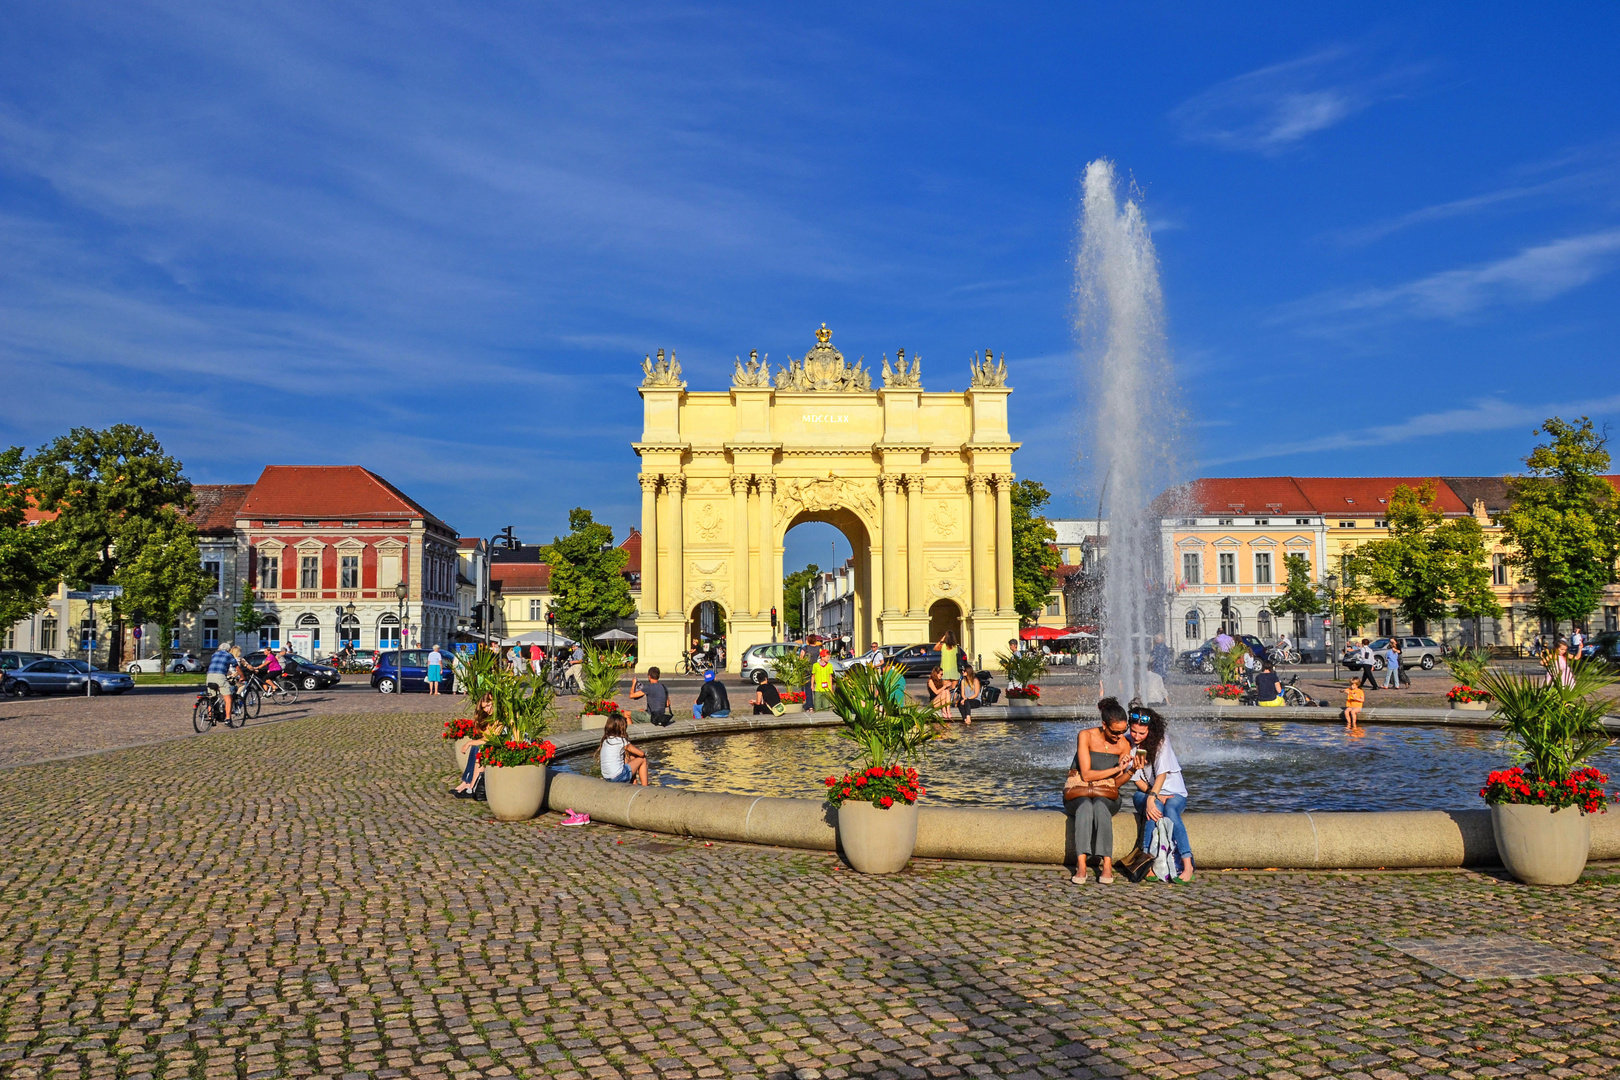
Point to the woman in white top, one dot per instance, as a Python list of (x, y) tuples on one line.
[(1161, 790)]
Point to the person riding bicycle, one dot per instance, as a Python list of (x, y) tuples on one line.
[(220, 667), (576, 664), (1284, 646), (271, 668)]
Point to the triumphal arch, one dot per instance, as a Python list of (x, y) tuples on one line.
[(920, 483)]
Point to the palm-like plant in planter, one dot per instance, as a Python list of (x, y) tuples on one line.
[(1539, 807), (1022, 669), (601, 671), (1468, 667), (515, 749), (877, 804)]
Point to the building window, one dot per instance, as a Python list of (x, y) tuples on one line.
[(87, 634), (1302, 521), (270, 524), (210, 638), (1191, 571), (1262, 568), (312, 624), (1262, 521), (47, 635), (1301, 628), (1499, 569), (1611, 620), (349, 632), (1346, 571), (1262, 624), (212, 570), (1347, 524), (351, 524), (349, 569), (537, 610), (1194, 627), (1228, 565), (269, 572), (174, 637), (312, 524), (1223, 521), (388, 632), (309, 572), (1386, 622), (270, 634), (1054, 606), (1380, 523)]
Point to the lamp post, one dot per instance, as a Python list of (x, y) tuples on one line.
[(401, 593), (1332, 583), (507, 537)]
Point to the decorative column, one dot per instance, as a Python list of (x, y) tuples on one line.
[(894, 578), (918, 591), (1004, 545), (676, 591), (768, 584), (984, 539), (649, 545), (739, 541)]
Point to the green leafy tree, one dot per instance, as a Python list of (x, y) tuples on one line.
[(28, 553), (163, 578), (248, 617), (1427, 562), (1564, 524), (793, 587), (1035, 558), (1300, 597), (587, 577)]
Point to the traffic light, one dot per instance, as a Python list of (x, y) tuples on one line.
[(551, 618)]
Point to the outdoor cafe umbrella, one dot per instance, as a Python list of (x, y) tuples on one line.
[(614, 635), (1030, 633)]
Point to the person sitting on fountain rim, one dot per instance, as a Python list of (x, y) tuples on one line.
[(712, 699), (767, 699), (1103, 758), (1268, 687), (1161, 795), (968, 691)]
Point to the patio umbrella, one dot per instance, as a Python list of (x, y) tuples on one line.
[(614, 635), (1078, 635), (1032, 633)]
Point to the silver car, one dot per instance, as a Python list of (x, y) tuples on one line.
[(759, 658), (1423, 652)]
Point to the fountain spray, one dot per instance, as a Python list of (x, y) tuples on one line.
[(1133, 431)]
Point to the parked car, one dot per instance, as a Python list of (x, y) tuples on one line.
[(53, 676), (409, 675), (886, 651), (1420, 652), (311, 676), (1604, 646), (12, 659), (1203, 658), (153, 665), (763, 658), (918, 660)]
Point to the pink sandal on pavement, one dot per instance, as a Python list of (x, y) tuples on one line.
[(574, 817)]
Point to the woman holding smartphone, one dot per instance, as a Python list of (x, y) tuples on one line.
[(1103, 759)]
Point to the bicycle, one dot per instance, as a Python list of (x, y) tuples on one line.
[(210, 710), (1283, 654), (693, 663), (280, 690), (558, 677)]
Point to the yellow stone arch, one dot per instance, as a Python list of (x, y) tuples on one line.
[(919, 483)]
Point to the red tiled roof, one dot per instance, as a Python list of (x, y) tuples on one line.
[(632, 547), (1369, 495), (216, 506), (468, 543), (1240, 495), (328, 491), (510, 576)]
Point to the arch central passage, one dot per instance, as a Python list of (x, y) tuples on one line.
[(919, 482)]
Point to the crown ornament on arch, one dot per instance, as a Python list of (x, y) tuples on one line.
[(662, 372), (988, 372), (824, 369)]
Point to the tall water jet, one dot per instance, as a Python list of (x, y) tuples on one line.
[(1133, 430)]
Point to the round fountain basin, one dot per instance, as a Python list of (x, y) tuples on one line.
[(1228, 765)]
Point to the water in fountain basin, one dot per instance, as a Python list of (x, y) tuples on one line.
[(1132, 432)]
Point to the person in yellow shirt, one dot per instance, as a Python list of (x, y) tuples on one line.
[(1354, 698), (821, 680)]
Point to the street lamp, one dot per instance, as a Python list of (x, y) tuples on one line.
[(508, 538), (1331, 580), (401, 592)]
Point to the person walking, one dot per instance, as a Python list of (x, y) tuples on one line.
[(1392, 666), (1103, 758), (1153, 688), (1364, 659), (435, 671)]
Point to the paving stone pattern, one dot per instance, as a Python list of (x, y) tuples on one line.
[(1498, 957), (302, 899)]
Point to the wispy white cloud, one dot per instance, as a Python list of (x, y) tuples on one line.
[(1533, 275), (1486, 414), (1273, 108)]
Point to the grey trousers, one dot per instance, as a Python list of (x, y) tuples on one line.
[(1093, 825)]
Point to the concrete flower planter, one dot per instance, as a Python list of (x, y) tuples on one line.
[(875, 840), (515, 792), (1540, 845), (592, 721), (459, 749), (1471, 706), (792, 707)]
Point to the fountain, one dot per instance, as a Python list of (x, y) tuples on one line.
[(1119, 323)]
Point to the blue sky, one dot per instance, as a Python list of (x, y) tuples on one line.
[(437, 240)]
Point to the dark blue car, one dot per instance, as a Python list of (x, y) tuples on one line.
[(1203, 658), (410, 676)]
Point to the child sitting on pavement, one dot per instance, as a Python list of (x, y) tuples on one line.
[(622, 760)]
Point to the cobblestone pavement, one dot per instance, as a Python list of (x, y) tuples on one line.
[(302, 899)]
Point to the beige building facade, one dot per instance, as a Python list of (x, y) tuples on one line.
[(919, 483)]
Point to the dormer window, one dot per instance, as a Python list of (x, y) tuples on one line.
[(1223, 521), (351, 524), (312, 524), (270, 524), (1262, 521)]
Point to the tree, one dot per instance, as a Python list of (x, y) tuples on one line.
[(1564, 525), (248, 617), (587, 576), (793, 587), (163, 579), (1300, 597), (1035, 558), (1471, 592), (28, 552), (1427, 562)]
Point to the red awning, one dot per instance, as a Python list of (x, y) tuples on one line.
[(1031, 633)]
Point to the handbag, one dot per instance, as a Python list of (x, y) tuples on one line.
[(778, 709)]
